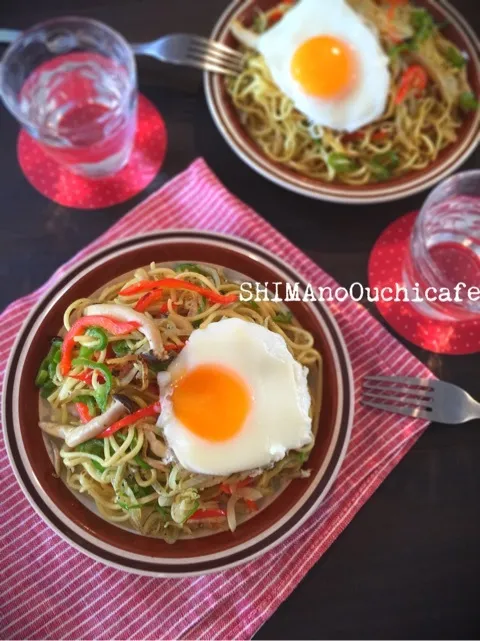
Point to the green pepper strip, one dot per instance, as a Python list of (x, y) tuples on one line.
[(167, 515), (341, 163), (102, 391), (46, 372), (253, 305), (283, 317), (129, 507), (139, 492), (47, 389), (383, 164), (102, 342), (42, 378), (93, 446), (196, 505), (189, 267), (468, 101), (141, 463), (121, 348), (455, 57)]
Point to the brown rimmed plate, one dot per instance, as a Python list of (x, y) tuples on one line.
[(124, 549), (228, 122)]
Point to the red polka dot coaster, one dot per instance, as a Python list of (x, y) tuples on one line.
[(65, 188), (385, 269)]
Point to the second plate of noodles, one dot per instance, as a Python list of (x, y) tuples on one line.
[(430, 123), (430, 96), (99, 401)]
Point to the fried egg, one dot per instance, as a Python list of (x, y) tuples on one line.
[(329, 62), (235, 400)]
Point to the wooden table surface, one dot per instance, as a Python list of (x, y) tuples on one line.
[(408, 566)]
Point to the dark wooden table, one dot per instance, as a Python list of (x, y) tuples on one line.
[(408, 566)]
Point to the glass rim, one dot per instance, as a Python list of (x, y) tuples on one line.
[(435, 272), (13, 48), (447, 181)]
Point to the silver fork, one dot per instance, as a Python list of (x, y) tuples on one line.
[(193, 51), (420, 397), (179, 49)]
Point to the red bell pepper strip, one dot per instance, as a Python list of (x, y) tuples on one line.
[(392, 31), (173, 347), (227, 489), (172, 283), (163, 309), (393, 5), (353, 136), (207, 514), (105, 322), (84, 414), (377, 136), (145, 301), (149, 299), (85, 377), (415, 77), (274, 17), (251, 505), (144, 412)]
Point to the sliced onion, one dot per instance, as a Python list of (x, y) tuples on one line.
[(231, 518), (249, 493), (125, 313), (157, 447), (154, 463), (128, 378)]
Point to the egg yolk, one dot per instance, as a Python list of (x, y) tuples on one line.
[(211, 401), (324, 66)]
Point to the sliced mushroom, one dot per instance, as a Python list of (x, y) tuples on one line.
[(55, 429), (82, 433), (128, 404), (157, 364)]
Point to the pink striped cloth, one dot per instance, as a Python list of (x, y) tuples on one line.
[(50, 591)]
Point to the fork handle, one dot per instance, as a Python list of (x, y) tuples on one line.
[(8, 35), (146, 49), (476, 410)]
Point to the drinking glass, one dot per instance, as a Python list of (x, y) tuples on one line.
[(71, 83), (443, 260)]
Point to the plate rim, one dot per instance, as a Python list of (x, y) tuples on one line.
[(257, 161), (346, 384)]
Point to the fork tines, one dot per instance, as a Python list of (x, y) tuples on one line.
[(400, 394), (214, 56)]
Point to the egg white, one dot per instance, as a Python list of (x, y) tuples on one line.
[(279, 417), (310, 18)]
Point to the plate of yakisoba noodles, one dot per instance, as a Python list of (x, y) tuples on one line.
[(165, 417), (353, 101)]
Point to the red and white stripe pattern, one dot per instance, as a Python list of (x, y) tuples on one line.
[(49, 590)]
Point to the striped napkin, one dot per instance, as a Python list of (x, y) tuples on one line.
[(50, 591)]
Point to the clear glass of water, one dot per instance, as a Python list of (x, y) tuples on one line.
[(443, 260), (72, 84)]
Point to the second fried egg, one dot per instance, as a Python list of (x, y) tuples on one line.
[(329, 62)]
